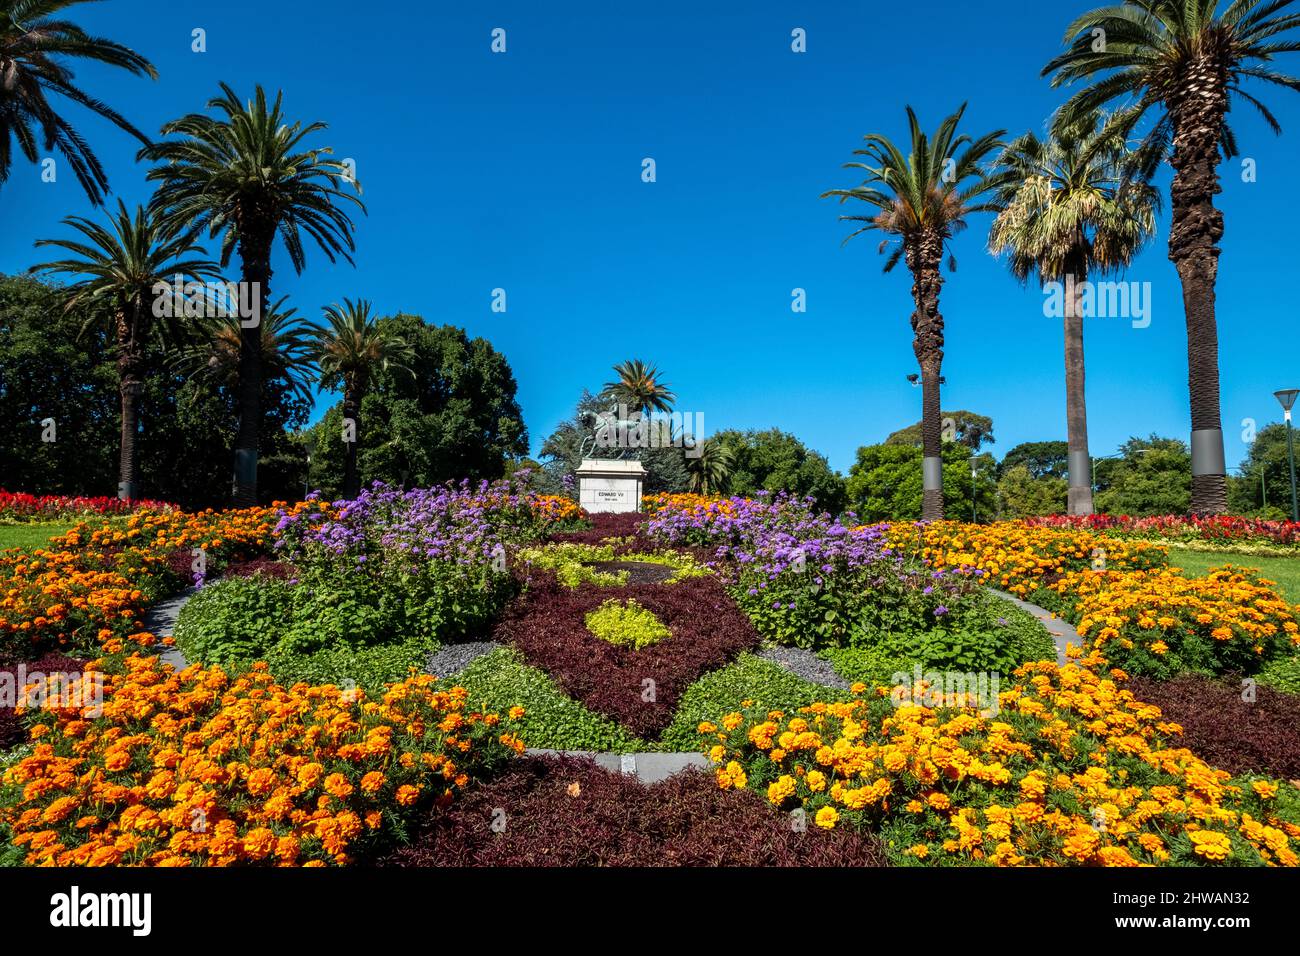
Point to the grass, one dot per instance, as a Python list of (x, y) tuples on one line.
[(31, 535), (1285, 571)]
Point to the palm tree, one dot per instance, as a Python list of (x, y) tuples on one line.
[(350, 349), (33, 48), (121, 265), (638, 387), (1070, 205), (710, 470), (923, 199), (1183, 60), (243, 175), (288, 349)]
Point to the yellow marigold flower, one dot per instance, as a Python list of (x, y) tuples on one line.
[(1210, 844), (781, 789), (826, 818), (1266, 789)]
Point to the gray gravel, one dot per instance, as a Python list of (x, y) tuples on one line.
[(804, 664), (454, 658)]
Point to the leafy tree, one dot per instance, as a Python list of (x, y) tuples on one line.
[(53, 372), (1152, 476), (966, 428), (34, 50), (118, 267), (1024, 494), (244, 175), (453, 414), (1044, 459), (1264, 487), (71, 378), (884, 483), (1184, 61), (1076, 203), (773, 460), (923, 199)]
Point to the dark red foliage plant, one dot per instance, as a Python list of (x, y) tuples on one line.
[(268, 567), (557, 811), (1226, 731), (637, 688), (16, 674)]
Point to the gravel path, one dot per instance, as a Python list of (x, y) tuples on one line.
[(453, 658), (805, 664)]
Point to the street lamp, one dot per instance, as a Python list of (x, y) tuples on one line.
[(1286, 398)]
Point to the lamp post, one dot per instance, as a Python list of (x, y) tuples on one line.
[(973, 471), (1286, 398)]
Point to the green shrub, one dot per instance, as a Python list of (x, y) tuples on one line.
[(749, 677), (866, 665), (500, 680), (988, 634), (627, 624), (369, 668), (235, 619), (1282, 674)]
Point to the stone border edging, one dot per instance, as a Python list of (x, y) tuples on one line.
[(647, 767)]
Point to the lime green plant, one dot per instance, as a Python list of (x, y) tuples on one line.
[(572, 562), (626, 623)]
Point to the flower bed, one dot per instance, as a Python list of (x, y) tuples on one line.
[(568, 812), (376, 583), (22, 507), (1230, 724), (1072, 770), (100, 577), (808, 581), (638, 688), (197, 768), (1217, 530), (1159, 623), (1018, 557)]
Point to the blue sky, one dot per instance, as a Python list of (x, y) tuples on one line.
[(522, 171)]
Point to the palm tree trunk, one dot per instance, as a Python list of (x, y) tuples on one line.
[(923, 259), (130, 379), (1076, 409), (352, 413), (255, 252), (1198, 111)]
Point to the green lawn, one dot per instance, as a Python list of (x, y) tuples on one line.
[(1285, 571), (30, 535)]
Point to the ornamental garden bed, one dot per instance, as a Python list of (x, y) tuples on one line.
[(862, 696)]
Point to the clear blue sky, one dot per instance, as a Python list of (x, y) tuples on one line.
[(523, 171)]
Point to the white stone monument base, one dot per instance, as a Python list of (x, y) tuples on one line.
[(610, 485)]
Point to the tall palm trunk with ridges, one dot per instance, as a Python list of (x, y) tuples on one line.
[(1079, 494), (923, 259), (1196, 227), (130, 370), (255, 253)]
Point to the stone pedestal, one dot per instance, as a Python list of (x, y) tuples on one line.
[(610, 485)]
